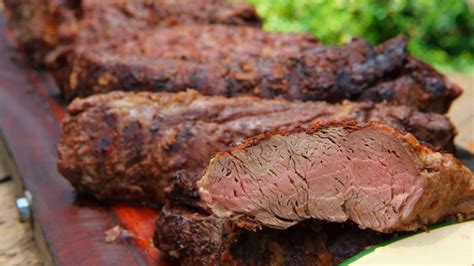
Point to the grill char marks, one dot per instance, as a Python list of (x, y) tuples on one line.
[(132, 142), (376, 176), (196, 238)]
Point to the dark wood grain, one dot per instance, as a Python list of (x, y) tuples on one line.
[(72, 228)]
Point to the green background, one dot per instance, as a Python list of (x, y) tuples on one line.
[(441, 32)]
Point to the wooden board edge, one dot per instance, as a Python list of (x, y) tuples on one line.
[(38, 234)]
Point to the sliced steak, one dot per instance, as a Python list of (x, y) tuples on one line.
[(40, 26), (373, 175), (237, 61), (195, 238), (126, 146)]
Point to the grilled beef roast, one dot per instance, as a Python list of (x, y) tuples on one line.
[(194, 237), (125, 146), (231, 61), (373, 175), (189, 55), (116, 45), (41, 25)]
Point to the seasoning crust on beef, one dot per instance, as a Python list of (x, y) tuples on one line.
[(94, 47), (248, 61), (171, 59)]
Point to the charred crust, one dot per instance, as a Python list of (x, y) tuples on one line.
[(183, 188)]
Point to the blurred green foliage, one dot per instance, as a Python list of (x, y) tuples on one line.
[(441, 31)]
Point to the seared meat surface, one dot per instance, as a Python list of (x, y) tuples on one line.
[(195, 238), (229, 61), (171, 59), (215, 47), (40, 26), (376, 176), (125, 146)]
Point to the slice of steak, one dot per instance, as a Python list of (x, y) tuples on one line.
[(193, 237), (41, 25), (126, 146), (238, 61), (373, 175)]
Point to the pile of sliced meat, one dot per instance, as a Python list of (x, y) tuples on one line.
[(261, 148)]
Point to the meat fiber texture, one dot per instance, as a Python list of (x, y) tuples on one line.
[(126, 146), (193, 237), (40, 26), (230, 61), (376, 176)]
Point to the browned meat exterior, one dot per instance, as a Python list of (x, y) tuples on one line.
[(213, 43), (189, 55), (42, 25), (193, 237), (229, 61), (373, 175), (125, 146)]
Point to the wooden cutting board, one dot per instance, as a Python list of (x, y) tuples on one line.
[(70, 231)]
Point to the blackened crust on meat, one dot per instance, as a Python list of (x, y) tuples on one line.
[(374, 175), (355, 71), (126, 146), (40, 26), (183, 188), (176, 232), (173, 59), (195, 238)]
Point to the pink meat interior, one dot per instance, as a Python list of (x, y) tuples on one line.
[(367, 176)]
